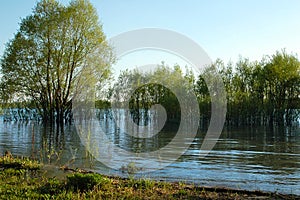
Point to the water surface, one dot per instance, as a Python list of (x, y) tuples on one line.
[(256, 158)]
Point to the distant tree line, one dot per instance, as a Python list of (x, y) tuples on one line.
[(265, 92)]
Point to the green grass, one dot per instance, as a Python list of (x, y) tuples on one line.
[(19, 163), (23, 179)]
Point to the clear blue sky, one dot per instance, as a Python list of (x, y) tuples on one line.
[(224, 28)]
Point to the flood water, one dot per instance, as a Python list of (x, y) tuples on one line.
[(256, 158)]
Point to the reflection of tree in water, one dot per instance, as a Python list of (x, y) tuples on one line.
[(53, 143), (274, 149), (134, 142), (61, 145)]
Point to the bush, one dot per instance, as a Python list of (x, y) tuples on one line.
[(52, 187), (83, 182)]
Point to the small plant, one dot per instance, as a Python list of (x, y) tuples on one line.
[(83, 182), (182, 192), (131, 168), (149, 184)]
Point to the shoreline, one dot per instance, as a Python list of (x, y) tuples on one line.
[(24, 176), (217, 189)]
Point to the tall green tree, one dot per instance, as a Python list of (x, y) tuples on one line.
[(50, 52), (282, 83), (265, 92)]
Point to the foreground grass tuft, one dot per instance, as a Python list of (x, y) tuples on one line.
[(24, 179), (7, 162)]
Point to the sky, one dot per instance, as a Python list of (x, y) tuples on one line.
[(225, 29)]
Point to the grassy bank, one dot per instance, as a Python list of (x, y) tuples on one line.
[(21, 178)]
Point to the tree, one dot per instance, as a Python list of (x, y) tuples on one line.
[(258, 93), (50, 52), (141, 90), (282, 82)]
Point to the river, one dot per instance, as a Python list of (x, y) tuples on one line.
[(251, 158)]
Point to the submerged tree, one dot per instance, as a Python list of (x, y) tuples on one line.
[(142, 90), (53, 47), (282, 87), (265, 92)]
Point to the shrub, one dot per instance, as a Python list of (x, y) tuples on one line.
[(52, 187), (83, 182)]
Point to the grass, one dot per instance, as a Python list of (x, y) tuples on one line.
[(21, 178), (7, 162)]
